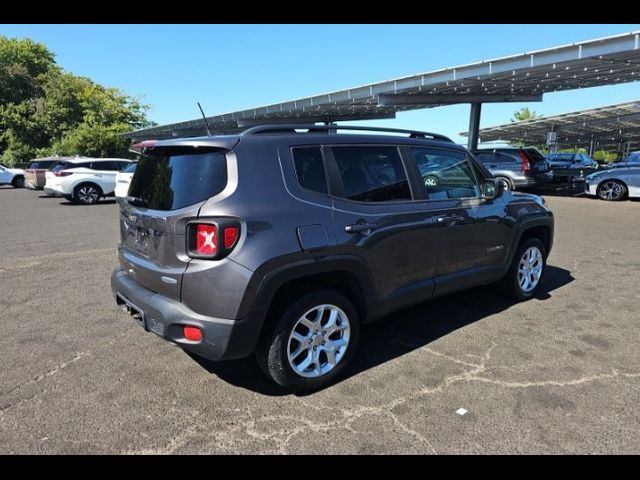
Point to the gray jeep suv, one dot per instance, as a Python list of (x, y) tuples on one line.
[(281, 241)]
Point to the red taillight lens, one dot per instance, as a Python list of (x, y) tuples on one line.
[(62, 173), (206, 239), (525, 166), (192, 333), (212, 240), (230, 236)]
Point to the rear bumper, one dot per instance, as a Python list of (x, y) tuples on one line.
[(53, 191), (223, 339), (539, 179)]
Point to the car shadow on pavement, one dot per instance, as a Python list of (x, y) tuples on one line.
[(560, 190), (386, 339), (67, 203)]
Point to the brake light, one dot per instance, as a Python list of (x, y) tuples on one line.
[(214, 239), (62, 173), (230, 236), (525, 166), (206, 240)]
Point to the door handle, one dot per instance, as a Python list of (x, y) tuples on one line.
[(493, 166), (449, 220), (362, 228)]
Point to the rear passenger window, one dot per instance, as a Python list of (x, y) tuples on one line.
[(486, 158), (310, 169), (108, 166), (372, 174)]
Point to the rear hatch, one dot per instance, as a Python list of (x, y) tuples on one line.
[(168, 188), (538, 162)]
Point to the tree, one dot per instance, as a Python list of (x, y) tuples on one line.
[(45, 110), (524, 114), (22, 62)]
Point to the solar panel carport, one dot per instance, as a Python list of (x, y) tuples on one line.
[(516, 78), (612, 128)]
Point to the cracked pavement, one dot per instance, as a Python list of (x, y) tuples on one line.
[(558, 374)]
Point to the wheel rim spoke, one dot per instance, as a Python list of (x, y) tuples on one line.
[(325, 344), (530, 269)]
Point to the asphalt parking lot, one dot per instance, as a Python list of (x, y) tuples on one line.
[(558, 374)]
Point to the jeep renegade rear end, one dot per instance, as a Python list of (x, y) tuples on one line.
[(283, 240)]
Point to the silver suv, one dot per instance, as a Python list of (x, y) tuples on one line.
[(283, 240), (516, 168)]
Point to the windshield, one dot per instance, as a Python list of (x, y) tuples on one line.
[(170, 178)]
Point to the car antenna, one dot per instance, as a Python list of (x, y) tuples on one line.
[(206, 123)]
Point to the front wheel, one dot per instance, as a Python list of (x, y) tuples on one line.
[(312, 342), (526, 272)]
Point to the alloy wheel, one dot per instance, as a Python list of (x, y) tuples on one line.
[(318, 341)]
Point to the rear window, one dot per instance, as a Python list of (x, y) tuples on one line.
[(130, 168), (173, 178), (61, 166), (534, 155), (43, 164)]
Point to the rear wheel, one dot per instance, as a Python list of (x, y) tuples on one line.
[(506, 183), (312, 342), (526, 272), (612, 190), (87, 193), (18, 182)]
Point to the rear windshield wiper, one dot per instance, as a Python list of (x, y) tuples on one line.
[(137, 201)]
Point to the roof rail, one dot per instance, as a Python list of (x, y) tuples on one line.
[(333, 128)]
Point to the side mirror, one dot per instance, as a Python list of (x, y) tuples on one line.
[(492, 189)]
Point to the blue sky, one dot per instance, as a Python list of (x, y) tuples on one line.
[(231, 67)]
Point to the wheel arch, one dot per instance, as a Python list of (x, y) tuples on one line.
[(274, 290), (539, 227)]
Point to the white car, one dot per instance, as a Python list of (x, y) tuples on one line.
[(614, 183), (123, 180), (11, 176), (84, 180)]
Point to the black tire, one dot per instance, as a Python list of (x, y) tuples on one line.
[(612, 190), (273, 348), (508, 185), (87, 194), (510, 283), (18, 182)]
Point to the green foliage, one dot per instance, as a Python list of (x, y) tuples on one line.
[(524, 114), (22, 62), (605, 156), (45, 110)]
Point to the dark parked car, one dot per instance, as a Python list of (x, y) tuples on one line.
[(571, 167), (516, 168), (281, 241), (632, 160)]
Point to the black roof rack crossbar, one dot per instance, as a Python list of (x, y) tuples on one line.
[(333, 128)]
